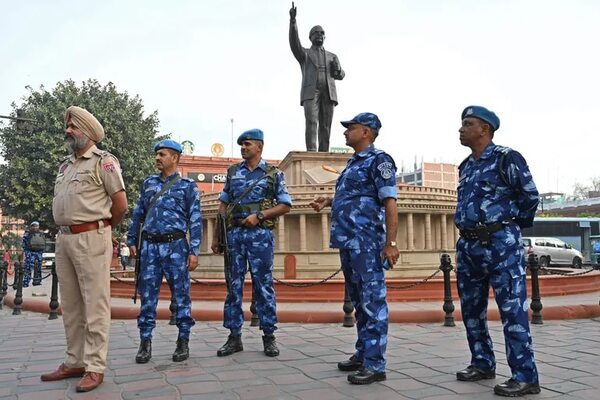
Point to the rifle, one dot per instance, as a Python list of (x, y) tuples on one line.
[(138, 258), (224, 248)]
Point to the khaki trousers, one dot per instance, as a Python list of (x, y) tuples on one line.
[(83, 269)]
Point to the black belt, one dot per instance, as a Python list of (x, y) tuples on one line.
[(483, 232), (163, 237)]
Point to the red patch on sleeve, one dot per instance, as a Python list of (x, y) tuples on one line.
[(109, 167)]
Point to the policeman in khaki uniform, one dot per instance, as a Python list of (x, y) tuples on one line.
[(89, 198), (251, 211)]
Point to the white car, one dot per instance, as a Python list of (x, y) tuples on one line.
[(553, 251), (48, 254)]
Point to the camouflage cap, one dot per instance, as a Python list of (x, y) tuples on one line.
[(367, 119)]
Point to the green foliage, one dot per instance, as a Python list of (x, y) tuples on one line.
[(547, 215), (33, 154), (11, 240), (588, 215)]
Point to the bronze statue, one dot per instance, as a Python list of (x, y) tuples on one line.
[(318, 96)]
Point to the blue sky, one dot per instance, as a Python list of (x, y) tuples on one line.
[(416, 64)]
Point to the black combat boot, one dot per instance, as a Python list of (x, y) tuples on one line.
[(270, 346), (144, 353), (233, 345), (182, 352), (514, 388)]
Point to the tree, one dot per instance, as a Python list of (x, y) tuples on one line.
[(32, 151), (581, 191)]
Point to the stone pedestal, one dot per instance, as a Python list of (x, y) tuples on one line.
[(312, 168), (302, 237)]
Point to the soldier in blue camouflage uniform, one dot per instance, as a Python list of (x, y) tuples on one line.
[(165, 249), (251, 217), (364, 226), (496, 199), (33, 257)]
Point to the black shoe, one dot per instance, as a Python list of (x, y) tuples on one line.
[(233, 345), (144, 353), (182, 351), (270, 346), (364, 376), (513, 388), (352, 364), (472, 374)]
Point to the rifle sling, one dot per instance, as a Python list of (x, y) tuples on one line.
[(248, 189)]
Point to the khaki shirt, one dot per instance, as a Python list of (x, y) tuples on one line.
[(83, 187)]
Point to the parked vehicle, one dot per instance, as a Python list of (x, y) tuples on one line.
[(553, 251), (48, 254)]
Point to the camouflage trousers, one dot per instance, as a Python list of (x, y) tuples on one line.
[(254, 248), (168, 260), (500, 265), (365, 281), (33, 262)]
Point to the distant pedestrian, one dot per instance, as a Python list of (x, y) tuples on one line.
[(34, 242), (124, 255), (496, 199)]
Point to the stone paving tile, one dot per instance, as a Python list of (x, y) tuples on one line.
[(312, 394), (258, 392), (422, 361), (170, 392)]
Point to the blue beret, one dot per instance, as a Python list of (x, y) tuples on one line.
[(367, 119), (34, 223), (483, 114), (252, 134), (168, 144)]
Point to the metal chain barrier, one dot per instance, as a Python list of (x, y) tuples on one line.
[(276, 280), (112, 274), (302, 285), (208, 283), (563, 273), (49, 274), (412, 285)]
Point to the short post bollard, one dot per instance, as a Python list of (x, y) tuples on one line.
[(173, 309), (37, 273), (446, 267), (536, 302), (54, 294), (19, 294), (3, 283), (254, 320), (348, 308)]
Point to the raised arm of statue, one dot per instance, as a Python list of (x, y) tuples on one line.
[(295, 44), (293, 13)]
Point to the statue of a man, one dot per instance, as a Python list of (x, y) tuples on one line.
[(318, 96)]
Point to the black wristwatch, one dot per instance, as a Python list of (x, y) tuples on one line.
[(260, 216)]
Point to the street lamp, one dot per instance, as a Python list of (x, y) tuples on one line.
[(231, 137)]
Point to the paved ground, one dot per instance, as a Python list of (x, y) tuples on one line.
[(422, 359)]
